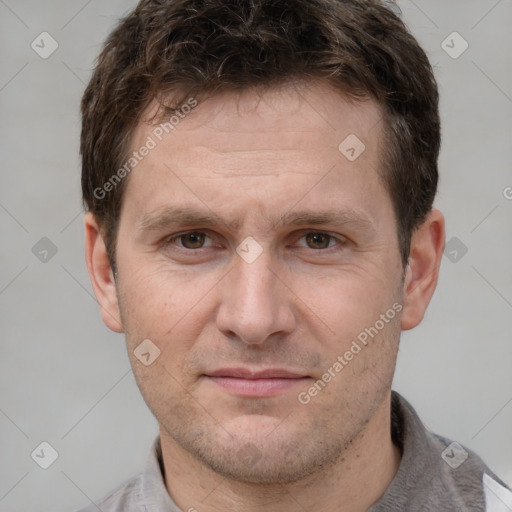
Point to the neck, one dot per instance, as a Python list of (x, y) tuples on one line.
[(357, 480)]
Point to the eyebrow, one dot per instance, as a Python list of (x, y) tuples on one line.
[(167, 217), (173, 217), (315, 217)]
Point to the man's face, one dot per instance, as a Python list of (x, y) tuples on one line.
[(252, 252)]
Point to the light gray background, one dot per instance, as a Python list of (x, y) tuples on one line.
[(66, 379)]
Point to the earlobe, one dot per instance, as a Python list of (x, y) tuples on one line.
[(101, 274), (422, 272)]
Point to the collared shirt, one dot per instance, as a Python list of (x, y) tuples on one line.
[(435, 475)]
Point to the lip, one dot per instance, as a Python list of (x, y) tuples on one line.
[(245, 373), (262, 383)]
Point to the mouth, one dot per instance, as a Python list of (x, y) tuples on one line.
[(256, 384)]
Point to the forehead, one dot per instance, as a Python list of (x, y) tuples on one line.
[(305, 131), (310, 107)]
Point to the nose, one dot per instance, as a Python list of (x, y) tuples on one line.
[(256, 306)]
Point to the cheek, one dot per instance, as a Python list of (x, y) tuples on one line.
[(345, 302), (168, 307)]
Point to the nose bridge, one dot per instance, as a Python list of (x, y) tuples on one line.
[(254, 305), (254, 281)]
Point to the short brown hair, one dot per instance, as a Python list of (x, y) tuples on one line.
[(200, 47)]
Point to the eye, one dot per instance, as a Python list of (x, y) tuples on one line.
[(196, 240), (191, 240), (320, 240)]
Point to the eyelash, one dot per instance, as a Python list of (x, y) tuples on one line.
[(341, 242)]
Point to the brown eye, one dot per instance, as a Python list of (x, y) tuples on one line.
[(318, 240), (192, 240)]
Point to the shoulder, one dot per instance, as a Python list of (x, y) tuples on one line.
[(436, 473), (467, 480), (123, 498)]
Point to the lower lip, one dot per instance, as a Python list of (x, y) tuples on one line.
[(257, 387)]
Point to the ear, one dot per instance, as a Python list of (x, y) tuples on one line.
[(100, 272), (427, 245)]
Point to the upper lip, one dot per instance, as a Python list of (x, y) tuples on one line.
[(245, 373)]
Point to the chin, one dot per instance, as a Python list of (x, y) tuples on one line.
[(275, 463), (262, 449), (256, 427)]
